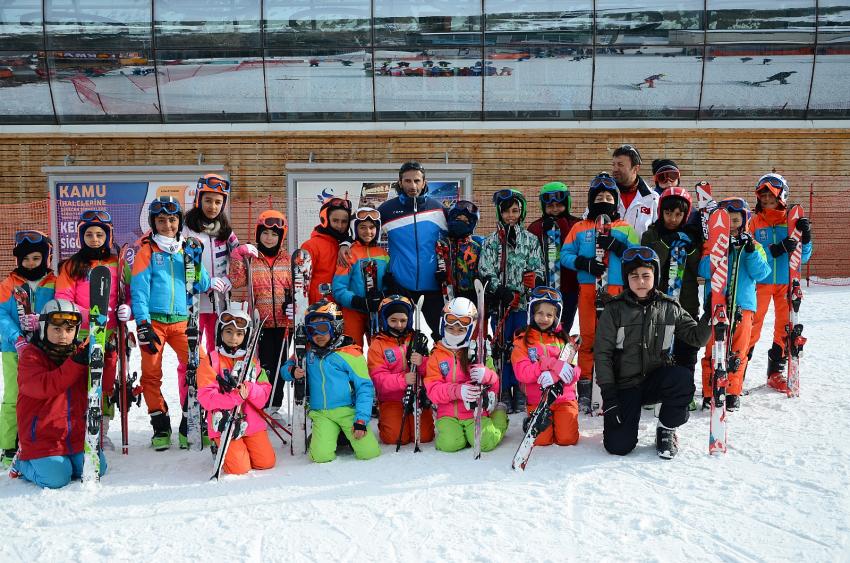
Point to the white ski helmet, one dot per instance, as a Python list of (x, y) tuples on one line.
[(233, 316), (58, 312), (459, 311)]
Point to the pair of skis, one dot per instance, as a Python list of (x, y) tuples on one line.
[(302, 268), (445, 264), (603, 228), (551, 239), (412, 400), (194, 413), (794, 339)]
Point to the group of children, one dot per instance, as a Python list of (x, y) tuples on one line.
[(44, 323)]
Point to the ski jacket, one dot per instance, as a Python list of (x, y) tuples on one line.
[(387, 361), (443, 379), (643, 210), (467, 255), (323, 249), (77, 291), (330, 379), (581, 241), (411, 236), (272, 277), (689, 294), (349, 281), (522, 257), (751, 267), (158, 282), (212, 399), (215, 258), (569, 279), (768, 232), (527, 360), (633, 339), (52, 404), (10, 324)]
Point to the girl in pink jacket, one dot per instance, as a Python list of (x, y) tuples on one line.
[(252, 449)]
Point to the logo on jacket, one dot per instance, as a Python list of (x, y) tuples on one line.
[(646, 211), (588, 235), (130, 255), (390, 356), (444, 368), (533, 355), (158, 259)]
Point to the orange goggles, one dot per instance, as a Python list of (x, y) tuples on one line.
[(452, 319)]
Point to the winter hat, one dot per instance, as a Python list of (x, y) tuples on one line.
[(661, 164)]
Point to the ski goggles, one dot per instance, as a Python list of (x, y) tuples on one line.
[(504, 195), (272, 222), (96, 215), (604, 182), (337, 202), (61, 318), (735, 204), (456, 320), (630, 149), (369, 213), (665, 175), (467, 206), (639, 253), (170, 207), (229, 319), (215, 184), (543, 292), (771, 184), (33, 237), (554, 197), (319, 328)]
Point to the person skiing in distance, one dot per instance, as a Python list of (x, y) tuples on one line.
[(324, 246), (556, 201), (536, 364), (464, 245), (349, 282), (340, 390), (388, 367), (747, 265), (666, 174), (158, 290), (271, 275), (454, 384), (769, 226), (638, 203), (633, 366), (30, 285), (220, 393), (579, 254), (53, 400)]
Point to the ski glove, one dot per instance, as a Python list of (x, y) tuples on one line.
[(746, 241), (20, 343), (221, 284), (805, 227), (81, 354), (786, 245), (243, 250), (147, 337), (545, 379), (226, 383), (123, 312), (529, 279), (479, 374), (360, 425), (289, 311), (29, 322), (593, 266), (469, 393), (567, 372), (610, 242), (359, 303)]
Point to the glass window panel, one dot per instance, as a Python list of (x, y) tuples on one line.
[(430, 22), (659, 23), (194, 86), (445, 84), (215, 24), (833, 21), (831, 83), (538, 82), (24, 91), (756, 81), (98, 86), (312, 84), (98, 24), (773, 21), (510, 24), (21, 25), (318, 22), (656, 82)]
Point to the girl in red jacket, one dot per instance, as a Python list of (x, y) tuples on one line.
[(536, 364), (52, 400), (396, 358), (323, 245)]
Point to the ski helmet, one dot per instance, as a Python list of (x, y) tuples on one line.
[(673, 193), (324, 317), (462, 208), (367, 213), (95, 218), (275, 221), (776, 184), (544, 294), (391, 305), (30, 241), (664, 169), (603, 182), (165, 205), (636, 256), (58, 312), (555, 192), (736, 204), (233, 316), (506, 197), (462, 312), (330, 205), (211, 184)]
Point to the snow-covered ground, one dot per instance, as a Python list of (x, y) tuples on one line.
[(782, 492)]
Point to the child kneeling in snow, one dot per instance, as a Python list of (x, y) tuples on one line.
[(252, 449), (335, 366), (454, 385), (53, 400)]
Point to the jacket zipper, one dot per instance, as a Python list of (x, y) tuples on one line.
[(324, 395)]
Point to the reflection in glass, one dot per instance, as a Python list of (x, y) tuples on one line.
[(539, 21), (756, 81), (431, 22), (833, 21), (228, 87), (317, 22), (21, 25), (318, 85), (831, 83), (665, 22), (97, 86), (24, 91), (658, 82), (444, 84), (197, 24), (775, 21), (552, 83), (98, 24)]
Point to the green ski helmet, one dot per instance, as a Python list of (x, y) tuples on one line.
[(555, 192), (510, 194)]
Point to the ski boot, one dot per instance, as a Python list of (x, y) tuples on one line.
[(507, 397), (776, 369), (183, 437), (105, 441), (161, 424), (666, 442), (733, 403), (706, 403), (7, 457), (585, 391), (520, 400), (692, 406), (499, 416)]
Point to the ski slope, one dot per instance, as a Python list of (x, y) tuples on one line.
[(780, 493)]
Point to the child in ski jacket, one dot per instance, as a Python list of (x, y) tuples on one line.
[(349, 282), (747, 264), (53, 400), (769, 226), (221, 393), (271, 274), (462, 249), (340, 393), (22, 295), (454, 385), (323, 246), (397, 357), (160, 306), (537, 366)]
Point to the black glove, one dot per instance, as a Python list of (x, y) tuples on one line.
[(81, 354), (592, 266), (609, 242), (611, 407), (360, 425), (226, 383), (389, 282), (147, 337), (441, 277), (805, 227), (505, 296), (419, 343), (785, 246), (373, 302), (359, 303), (746, 241)]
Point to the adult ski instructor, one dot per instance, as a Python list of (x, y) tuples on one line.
[(638, 201)]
